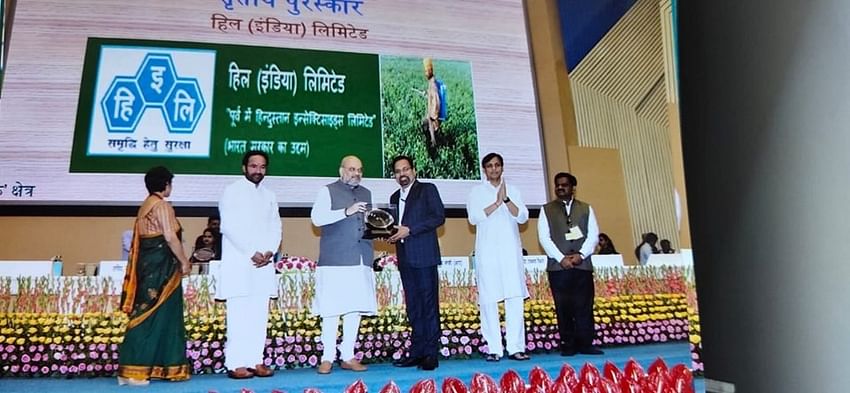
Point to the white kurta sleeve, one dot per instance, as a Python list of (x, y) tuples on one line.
[(545, 238), (589, 244), (475, 205), (232, 217), (321, 214), (516, 198), (274, 225)]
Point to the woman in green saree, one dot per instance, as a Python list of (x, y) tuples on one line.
[(154, 343)]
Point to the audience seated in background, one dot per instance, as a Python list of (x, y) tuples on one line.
[(209, 250), (666, 247), (213, 224), (605, 245), (126, 243), (646, 248)]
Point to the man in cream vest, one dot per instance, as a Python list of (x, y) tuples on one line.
[(568, 232)]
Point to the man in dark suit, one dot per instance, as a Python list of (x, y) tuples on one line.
[(420, 212)]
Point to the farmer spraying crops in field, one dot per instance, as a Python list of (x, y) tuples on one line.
[(432, 119)]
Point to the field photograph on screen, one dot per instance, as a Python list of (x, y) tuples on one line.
[(95, 93), (444, 142)]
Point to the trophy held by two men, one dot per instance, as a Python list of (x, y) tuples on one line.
[(380, 222)]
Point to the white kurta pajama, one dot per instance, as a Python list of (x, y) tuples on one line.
[(347, 291), (499, 269), (250, 222)]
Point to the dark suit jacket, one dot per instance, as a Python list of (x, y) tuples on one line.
[(423, 214)]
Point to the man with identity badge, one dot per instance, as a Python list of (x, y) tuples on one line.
[(568, 232)]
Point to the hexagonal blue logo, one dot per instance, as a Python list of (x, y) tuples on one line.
[(184, 105), (156, 77), (123, 105)]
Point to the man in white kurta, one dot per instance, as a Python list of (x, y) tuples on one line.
[(345, 283), (496, 209), (251, 234)]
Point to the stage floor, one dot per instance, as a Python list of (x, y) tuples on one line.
[(376, 377)]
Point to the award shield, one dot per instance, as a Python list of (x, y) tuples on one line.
[(379, 223)]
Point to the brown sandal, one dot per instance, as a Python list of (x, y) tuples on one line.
[(240, 373)]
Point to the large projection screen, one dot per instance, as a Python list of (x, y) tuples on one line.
[(97, 92)]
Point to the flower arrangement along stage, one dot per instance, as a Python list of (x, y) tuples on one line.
[(67, 327)]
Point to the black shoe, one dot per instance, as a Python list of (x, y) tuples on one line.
[(568, 352), (408, 362), (492, 357), (591, 350), (429, 363)]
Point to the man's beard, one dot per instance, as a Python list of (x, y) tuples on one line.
[(404, 181), (255, 178), (353, 182)]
